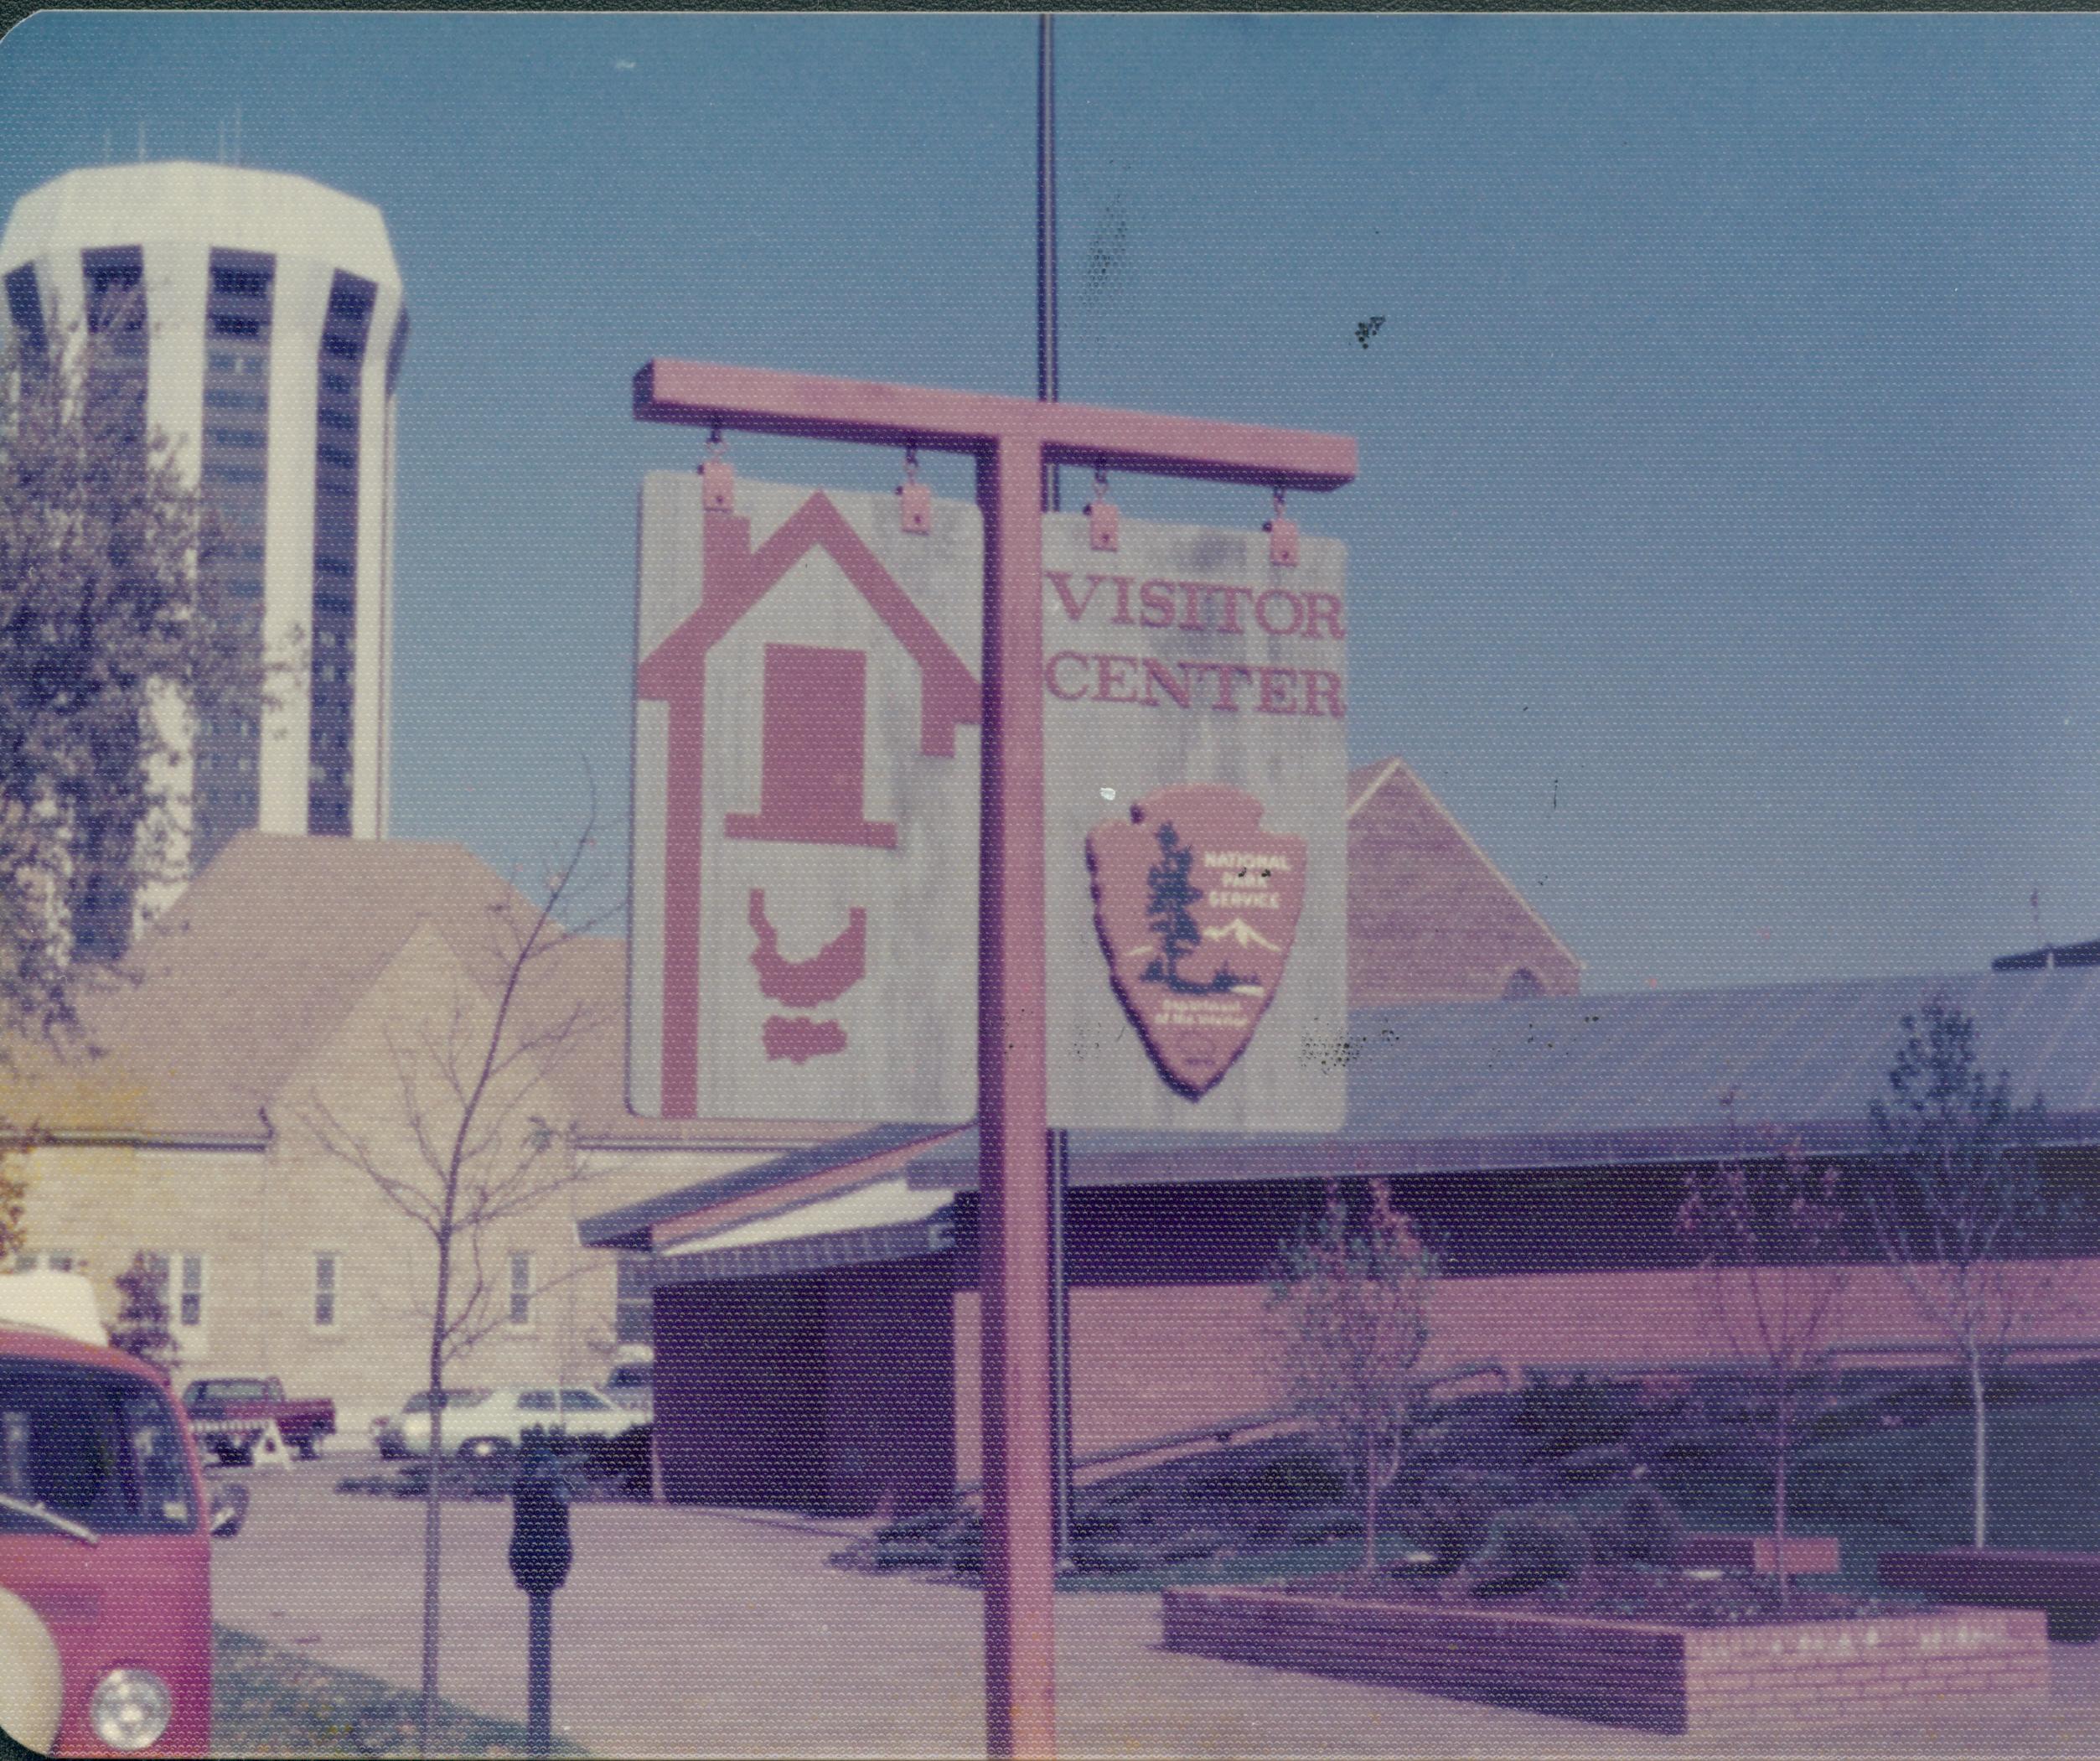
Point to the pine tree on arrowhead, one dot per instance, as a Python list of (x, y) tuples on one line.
[(1170, 919)]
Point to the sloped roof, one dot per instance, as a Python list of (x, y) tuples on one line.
[(266, 954), (268, 951), (260, 959), (1646, 1078), (1547, 1085), (1431, 919)]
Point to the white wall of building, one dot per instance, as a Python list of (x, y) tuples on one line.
[(177, 214)]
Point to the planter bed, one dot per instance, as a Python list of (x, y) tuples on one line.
[(1717, 1662), (2065, 1586)]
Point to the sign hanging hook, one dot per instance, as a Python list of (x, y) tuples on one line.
[(914, 499), (1101, 514), (717, 476), (1283, 534)]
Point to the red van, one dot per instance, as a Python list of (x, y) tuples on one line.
[(105, 1539)]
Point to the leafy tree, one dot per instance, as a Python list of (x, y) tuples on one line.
[(1959, 1207), (14, 1193), (477, 1155), (110, 635), (1353, 1304), (1772, 1237), (143, 1325)]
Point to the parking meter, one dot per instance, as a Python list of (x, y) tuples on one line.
[(539, 1551), (540, 1561)]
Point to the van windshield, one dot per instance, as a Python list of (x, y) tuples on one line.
[(98, 1448)]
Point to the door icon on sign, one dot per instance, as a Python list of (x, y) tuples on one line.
[(813, 766)]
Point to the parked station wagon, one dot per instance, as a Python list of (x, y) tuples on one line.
[(489, 1421)]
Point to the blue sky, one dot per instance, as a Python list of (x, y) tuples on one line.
[(1724, 547)]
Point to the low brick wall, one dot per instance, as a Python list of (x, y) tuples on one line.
[(1806, 1675), (1808, 1554), (1824, 1674), (2065, 1586)]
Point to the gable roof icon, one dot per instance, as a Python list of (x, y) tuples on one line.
[(737, 577)]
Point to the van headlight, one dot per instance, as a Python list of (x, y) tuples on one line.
[(130, 1709)]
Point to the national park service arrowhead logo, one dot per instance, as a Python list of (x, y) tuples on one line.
[(1197, 907)]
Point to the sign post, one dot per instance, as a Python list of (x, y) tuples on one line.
[(1012, 440)]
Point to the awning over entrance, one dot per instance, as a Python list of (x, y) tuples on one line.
[(887, 1220)]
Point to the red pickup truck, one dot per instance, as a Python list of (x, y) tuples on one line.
[(228, 1413)]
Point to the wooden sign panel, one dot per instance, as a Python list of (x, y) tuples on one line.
[(804, 908), (806, 785), (1196, 685)]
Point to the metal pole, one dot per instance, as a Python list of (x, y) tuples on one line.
[(1047, 234), (1047, 393), (1060, 1347), (540, 1677)]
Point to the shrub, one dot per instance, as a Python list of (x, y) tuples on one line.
[(620, 1466), (1645, 1530), (1562, 1417), (1528, 1549), (143, 1325), (1352, 1305), (1452, 1522)]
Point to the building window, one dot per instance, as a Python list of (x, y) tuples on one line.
[(634, 1313), (324, 1286), (58, 1260), (521, 1290), (189, 1303), (236, 472), (116, 280), (335, 488), (25, 305)]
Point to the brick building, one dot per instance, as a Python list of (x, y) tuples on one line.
[(301, 981), (817, 1320)]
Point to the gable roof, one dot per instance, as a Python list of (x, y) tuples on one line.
[(264, 956), (1431, 918), (260, 959), (268, 951)]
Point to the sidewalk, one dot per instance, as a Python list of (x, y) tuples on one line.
[(686, 1632)]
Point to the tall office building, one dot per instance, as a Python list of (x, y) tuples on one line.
[(255, 318)]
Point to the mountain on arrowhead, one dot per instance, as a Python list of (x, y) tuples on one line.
[(1241, 931)]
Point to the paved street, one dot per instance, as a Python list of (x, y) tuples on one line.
[(686, 1632)]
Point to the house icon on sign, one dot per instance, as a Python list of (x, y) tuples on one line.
[(812, 766), (813, 744)]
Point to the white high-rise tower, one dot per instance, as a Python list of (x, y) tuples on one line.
[(256, 319)]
